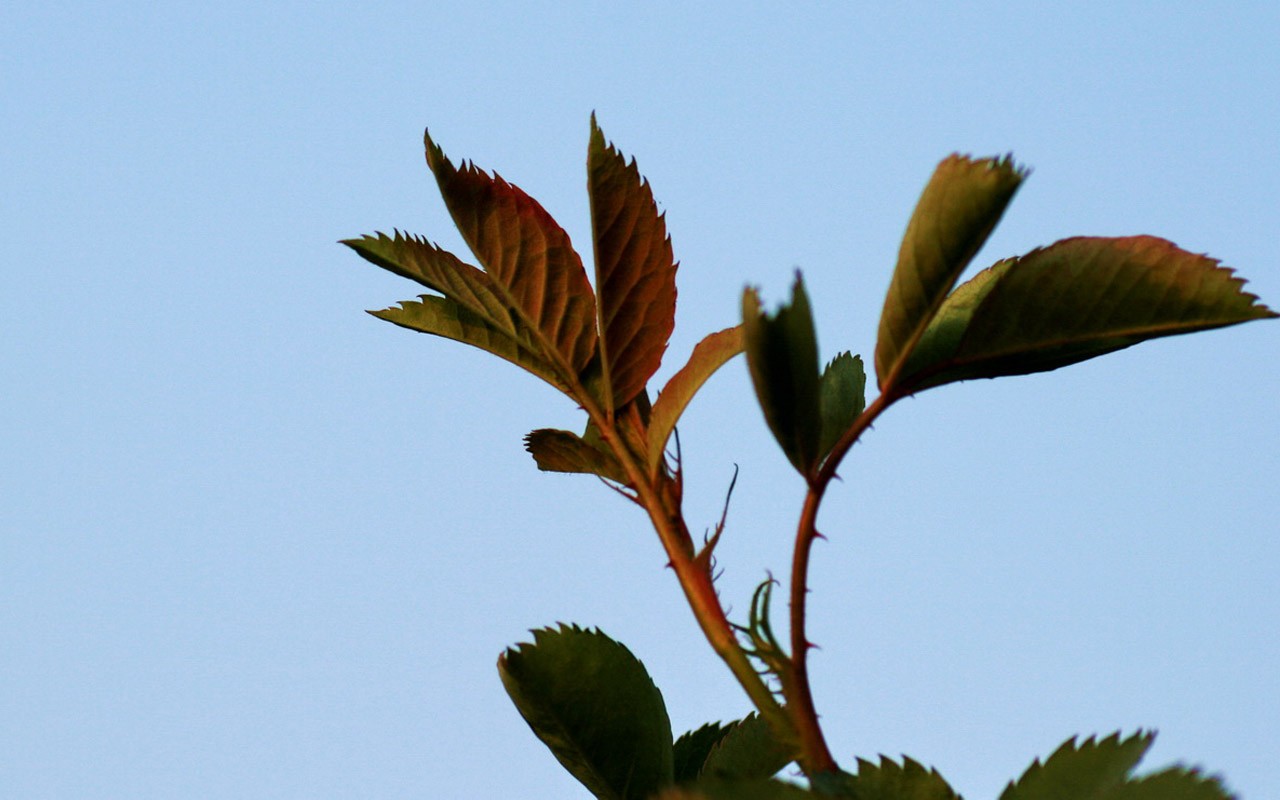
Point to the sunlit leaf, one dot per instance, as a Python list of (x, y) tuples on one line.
[(594, 705), (842, 397), (782, 354), (562, 451), (443, 317), (1074, 300), (708, 356), (957, 210), (527, 254), (635, 271)]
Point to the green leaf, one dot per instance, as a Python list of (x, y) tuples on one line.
[(532, 263), (692, 748), (562, 451), (782, 354), (708, 356), (842, 397), (441, 316), (956, 212), (593, 703), (748, 750), (889, 780), (1093, 769), (1175, 783), (717, 789), (1074, 300), (635, 271)]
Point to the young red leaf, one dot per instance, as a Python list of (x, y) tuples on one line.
[(708, 356), (1074, 300), (957, 210), (635, 271), (563, 451), (528, 255)]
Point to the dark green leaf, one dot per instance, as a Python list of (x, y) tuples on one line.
[(889, 780), (443, 317), (1074, 300), (1093, 769), (692, 749), (562, 451), (1176, 783), (708, 356), (528, 256), (748, 750), (842, 397), (956, 212), (782, 354), (635, 271), (592, 702)]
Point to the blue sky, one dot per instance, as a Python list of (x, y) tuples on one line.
[(257, 544)]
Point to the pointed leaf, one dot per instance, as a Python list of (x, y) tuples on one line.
[(692, 748), (889, 780), (718, 789), (1091, 769), (592, 702), (527, 254), (782, 354), (1074, 300), (708, 356), (635, 271), (749, 749), (842, 397), (1175, 783), (956, 212), (562, 451), (441, 316)]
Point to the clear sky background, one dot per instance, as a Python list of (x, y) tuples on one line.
[(257, 544)]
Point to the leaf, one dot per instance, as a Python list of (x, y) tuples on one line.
[(889, 780), (1074, 300), (708, 356), (593, 703), (749, 749), (782, 354), (444, 317), (692, 748), (1093, 769), (959, 207), (1175, 783), (635, 271), (562, 451), (842, 397), (532, 263), (716, 789)]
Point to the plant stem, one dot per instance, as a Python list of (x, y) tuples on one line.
[(804, 716)]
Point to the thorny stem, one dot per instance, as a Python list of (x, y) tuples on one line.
[(804, 715)]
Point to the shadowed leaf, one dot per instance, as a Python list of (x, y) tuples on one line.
[(889, 780), (528, 256), (1175, 783), (961, 204), (593, 704), (635, 271), (1074, 300), (708, 356), (718, 789), (782, 354), (1092, 769), (692, 748), (443, 317), (842, 397), (562, 451), (748, 750)]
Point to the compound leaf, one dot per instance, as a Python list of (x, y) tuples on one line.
[(708, 356), (594, 705), (442, 316), (959, 207), (528, 256), (563, 451), (635, 271), (782, 354), (1073, 300)]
